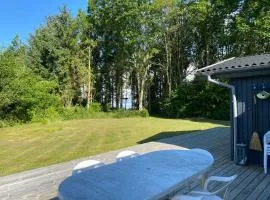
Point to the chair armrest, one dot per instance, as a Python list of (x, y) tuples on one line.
[(221, 179), (227, 180)]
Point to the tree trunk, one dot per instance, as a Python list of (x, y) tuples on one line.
[(168, 65), (141, 88), (141, 94), (89, 88), (134, 90)]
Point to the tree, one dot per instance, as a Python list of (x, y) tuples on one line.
[(143, 38), (86, 44), (110, 20), (144, 46), (22, 93), (59, 52), (252, 28)]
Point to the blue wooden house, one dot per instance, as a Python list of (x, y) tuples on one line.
[(248, 79)]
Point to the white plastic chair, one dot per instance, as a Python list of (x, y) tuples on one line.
[(205, 194), (125, 155), (86, 165), (266, 150)]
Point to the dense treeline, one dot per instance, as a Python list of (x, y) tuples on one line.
[(141, 49)]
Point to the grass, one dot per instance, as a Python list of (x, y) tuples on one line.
[(31, 146)]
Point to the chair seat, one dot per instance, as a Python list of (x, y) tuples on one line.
[(212, 197), (186, 197), (191, 197), (194, 195), (205, 196), (204, 193)]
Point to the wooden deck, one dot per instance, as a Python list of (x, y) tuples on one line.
[(251, 182)]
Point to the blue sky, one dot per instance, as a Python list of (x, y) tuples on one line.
[(24, 16)]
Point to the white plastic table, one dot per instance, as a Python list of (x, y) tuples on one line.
[(149, 176)]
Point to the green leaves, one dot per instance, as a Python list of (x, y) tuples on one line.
[(59, 52), (197, 100), (20, 90), (252, 28), (141, 47)]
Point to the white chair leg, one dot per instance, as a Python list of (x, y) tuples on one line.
[(226, 194), (265, 162)]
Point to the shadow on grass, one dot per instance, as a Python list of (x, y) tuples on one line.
[(198, 119), (169, 134), (163, 135), (218, 122)]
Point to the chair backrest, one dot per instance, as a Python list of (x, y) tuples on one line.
[(126, 154), (266, 138), (86, 165), (225, 187), (203, 152)]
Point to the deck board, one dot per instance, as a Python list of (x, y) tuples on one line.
[(259, 189), (265, 194), (251, 182)]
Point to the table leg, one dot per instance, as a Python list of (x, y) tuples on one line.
[(204, 177), (189, 186)]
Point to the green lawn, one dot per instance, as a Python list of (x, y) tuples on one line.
[(35, 145)]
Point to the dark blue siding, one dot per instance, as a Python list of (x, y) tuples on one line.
[(245, 120)]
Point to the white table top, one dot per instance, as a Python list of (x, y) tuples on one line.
[(149, 176)]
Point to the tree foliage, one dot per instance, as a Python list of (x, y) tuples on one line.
[(22, 93), (144, 47)]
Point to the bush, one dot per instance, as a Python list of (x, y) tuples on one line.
[(76, 112), (7, 123), (79, 112), (121, 113), (95, 107), (49, 114), (144, 113), (197, 100), (23, 94), (107, 107), (4, 123)]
